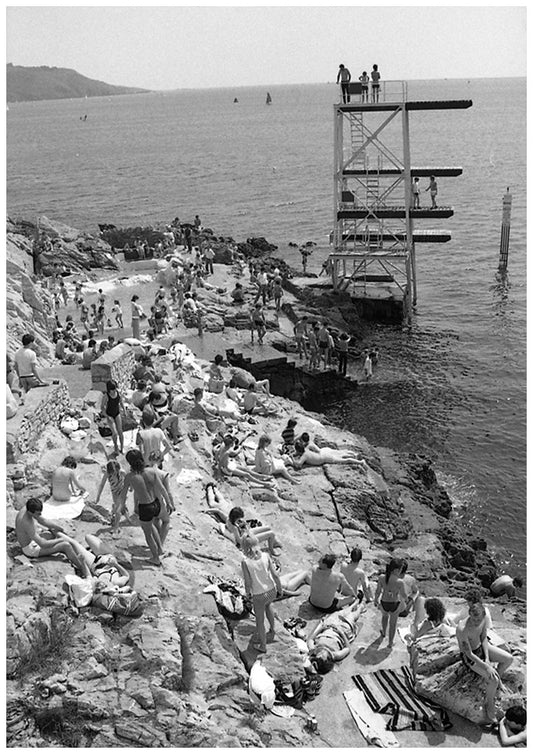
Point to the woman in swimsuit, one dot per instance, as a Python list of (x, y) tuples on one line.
[(112, 407), (391, 589), (147, 490), (329, 642), (266, 464), (305, 456)]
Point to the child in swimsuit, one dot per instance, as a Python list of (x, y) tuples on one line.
[(115, 476), (391, 595)]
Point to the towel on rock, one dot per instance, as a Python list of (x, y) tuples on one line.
[(67, 509)]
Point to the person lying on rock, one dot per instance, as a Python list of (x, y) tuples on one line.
[(266, 464), (512, 727), (243, 379), (303, 456), (208, 411), (41, 544), (329, 642), (476, 652), (65, 483)]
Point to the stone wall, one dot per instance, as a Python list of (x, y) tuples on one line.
[(117, 364), (43, 406)]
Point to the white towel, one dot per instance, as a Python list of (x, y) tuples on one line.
[(371, 724), (68, 509)]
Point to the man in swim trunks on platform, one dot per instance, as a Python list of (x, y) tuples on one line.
[(476, 652), (35, 545)]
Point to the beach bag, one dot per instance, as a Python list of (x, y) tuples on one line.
[(291, 694), (120, 603), (80, 591), (103, 428)]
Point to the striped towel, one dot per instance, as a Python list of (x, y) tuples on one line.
[(391, 692)]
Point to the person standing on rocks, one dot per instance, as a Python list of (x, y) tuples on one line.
[(148, 492), (342, 352), (25, 361), (113, 408), (136, 314), (262, 585), (391, 597), (367, 366), (478, 654), (300, 334)]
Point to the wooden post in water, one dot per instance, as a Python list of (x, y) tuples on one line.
[(506, 229)]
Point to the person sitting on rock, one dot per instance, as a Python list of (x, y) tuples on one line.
[(139, 397), (303, 456), (266, 464), (89, 354), (512, 727), (253, 404), (329, 642), (38, 545), (237, 526), (65, 483), (436, 621), (476, 652), (356, 576), (326, 584), (237, 294), (229, 467), (288, 437)]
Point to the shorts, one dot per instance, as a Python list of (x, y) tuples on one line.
[(390, 607), (32, 550), (323, 346), (477, 652), (149, 511), (26, 383), (331, 609)]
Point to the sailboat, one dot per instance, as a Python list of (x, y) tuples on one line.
[(268, 99), (235, 100)]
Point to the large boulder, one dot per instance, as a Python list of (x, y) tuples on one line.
[(442, 677)]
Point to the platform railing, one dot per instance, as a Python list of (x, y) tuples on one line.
[(389, 91)]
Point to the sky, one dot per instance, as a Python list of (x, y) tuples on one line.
[(197, 46)]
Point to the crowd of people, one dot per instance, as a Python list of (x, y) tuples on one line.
[(139, 478)]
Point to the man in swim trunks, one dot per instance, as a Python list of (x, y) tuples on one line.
[(476, 652), (325, 583), (36, 545)]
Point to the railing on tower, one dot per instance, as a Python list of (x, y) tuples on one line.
[(390, 91)]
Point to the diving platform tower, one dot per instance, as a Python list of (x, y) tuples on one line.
[(374, 234)]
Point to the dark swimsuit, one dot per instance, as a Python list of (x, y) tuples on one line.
[(149, 511), (113, 406), (390, 607), (477, 652)]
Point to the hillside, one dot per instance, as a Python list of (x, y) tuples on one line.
[(44, 82)]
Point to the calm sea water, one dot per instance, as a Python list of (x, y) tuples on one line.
[(453, 384)]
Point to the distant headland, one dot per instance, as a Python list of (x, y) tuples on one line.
[(45, 82)]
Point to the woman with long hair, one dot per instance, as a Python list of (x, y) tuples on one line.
[(148, 491), (391, 596), (266, 464), (262, 586)]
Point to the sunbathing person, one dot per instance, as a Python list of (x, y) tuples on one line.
[(329, 642), (391, 597), (266, 464), (40, 544), (476, 652), (512, 728), (304, 457), (229, 467), (326, 585), (65, 483)]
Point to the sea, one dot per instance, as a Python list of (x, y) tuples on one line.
[(450, 385)]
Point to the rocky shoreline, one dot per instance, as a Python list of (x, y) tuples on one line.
[(177, 676)]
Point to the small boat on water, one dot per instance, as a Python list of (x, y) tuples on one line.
[(235, 100), (268, 99)]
